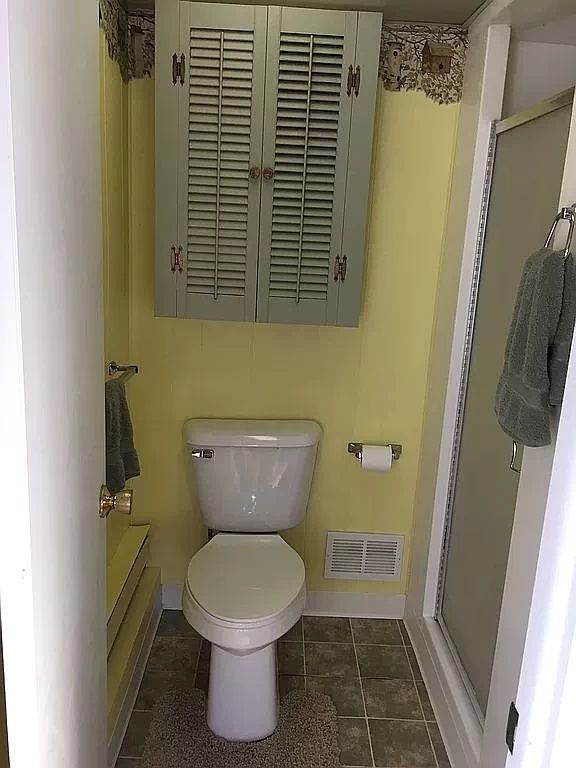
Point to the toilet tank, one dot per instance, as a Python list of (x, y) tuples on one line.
[(252, 475)]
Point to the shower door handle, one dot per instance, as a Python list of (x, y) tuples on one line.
[(513, 466)]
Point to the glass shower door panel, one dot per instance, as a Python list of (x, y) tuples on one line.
[(527, 177)]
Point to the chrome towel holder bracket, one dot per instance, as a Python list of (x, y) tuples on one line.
[(126, 371), (568, 213)]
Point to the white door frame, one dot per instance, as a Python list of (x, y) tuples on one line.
[(52, 553), (457, 717)]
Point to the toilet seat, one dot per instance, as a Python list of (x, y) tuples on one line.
[(243, 592), (245, 579)]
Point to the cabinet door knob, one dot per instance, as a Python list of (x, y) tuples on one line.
[(268, 173), (254, 172)]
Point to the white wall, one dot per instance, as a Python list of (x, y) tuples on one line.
[(537, 71)]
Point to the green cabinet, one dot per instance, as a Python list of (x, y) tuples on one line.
[(264, 123)]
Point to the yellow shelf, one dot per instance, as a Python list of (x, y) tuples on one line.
[(127, 647), (122, 563)]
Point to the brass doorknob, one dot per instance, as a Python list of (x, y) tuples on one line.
[(120, 502), (254, 172), (268, 173)]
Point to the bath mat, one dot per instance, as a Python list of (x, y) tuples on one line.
[(306, 736)]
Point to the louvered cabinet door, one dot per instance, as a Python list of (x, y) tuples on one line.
[(306, 135), (354, 241), (220, 141)]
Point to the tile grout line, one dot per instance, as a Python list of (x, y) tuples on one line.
[(418, 695), (343, 642), (362, 693), (304, 655), (197, 661), (386, 719)]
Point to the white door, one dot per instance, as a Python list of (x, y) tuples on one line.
[(52, 558)]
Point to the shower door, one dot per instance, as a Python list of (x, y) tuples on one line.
[(528, 161)]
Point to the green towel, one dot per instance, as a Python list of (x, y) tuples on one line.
[(523, 398), (560, 352), (121, 457)]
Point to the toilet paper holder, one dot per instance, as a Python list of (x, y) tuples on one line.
[(356, 449)]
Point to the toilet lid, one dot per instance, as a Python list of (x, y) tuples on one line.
[(243, 578)]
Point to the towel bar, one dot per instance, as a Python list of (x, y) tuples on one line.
[(126, 371)]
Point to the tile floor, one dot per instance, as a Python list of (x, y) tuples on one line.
[(367, 666)]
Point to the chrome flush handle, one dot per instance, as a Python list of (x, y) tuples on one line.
[(202, 453), (513, 466)]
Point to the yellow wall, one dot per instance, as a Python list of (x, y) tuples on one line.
[(364, 384), (114, 138), (114, 146)]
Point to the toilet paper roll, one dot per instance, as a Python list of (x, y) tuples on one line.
[(376, 458)]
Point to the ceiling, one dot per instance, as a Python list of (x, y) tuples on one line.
[(446, 11)]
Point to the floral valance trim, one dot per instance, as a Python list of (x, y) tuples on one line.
[(424, 57), (413, 57), (130, 38)]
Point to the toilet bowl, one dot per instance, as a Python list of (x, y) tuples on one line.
[(242, 593), (246, 587)]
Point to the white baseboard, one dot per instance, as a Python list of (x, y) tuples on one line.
[(117, 735), (457, 720), (359, 604), (172, 597)]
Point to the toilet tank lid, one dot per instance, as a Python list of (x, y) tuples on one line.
[(252, 433)]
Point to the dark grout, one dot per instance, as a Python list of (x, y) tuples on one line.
[(344, 642)]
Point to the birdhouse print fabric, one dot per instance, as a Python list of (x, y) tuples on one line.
[(424, 57)]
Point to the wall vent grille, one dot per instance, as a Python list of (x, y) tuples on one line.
[(363, 556)]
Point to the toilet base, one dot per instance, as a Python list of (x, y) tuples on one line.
[(243, 693)]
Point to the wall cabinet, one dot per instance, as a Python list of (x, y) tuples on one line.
[(264, 125)]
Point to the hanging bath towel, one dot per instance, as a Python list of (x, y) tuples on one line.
[(523, 398), (121, 457), (560, 352)]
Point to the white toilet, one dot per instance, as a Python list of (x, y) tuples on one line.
[(246, 587)]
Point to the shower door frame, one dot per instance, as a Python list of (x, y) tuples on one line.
[(497, 127), (516, 672)]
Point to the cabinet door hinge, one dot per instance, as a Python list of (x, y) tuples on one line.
[(178, 69), (512, 726), (353, 81), (340, 266), (176, 259)]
